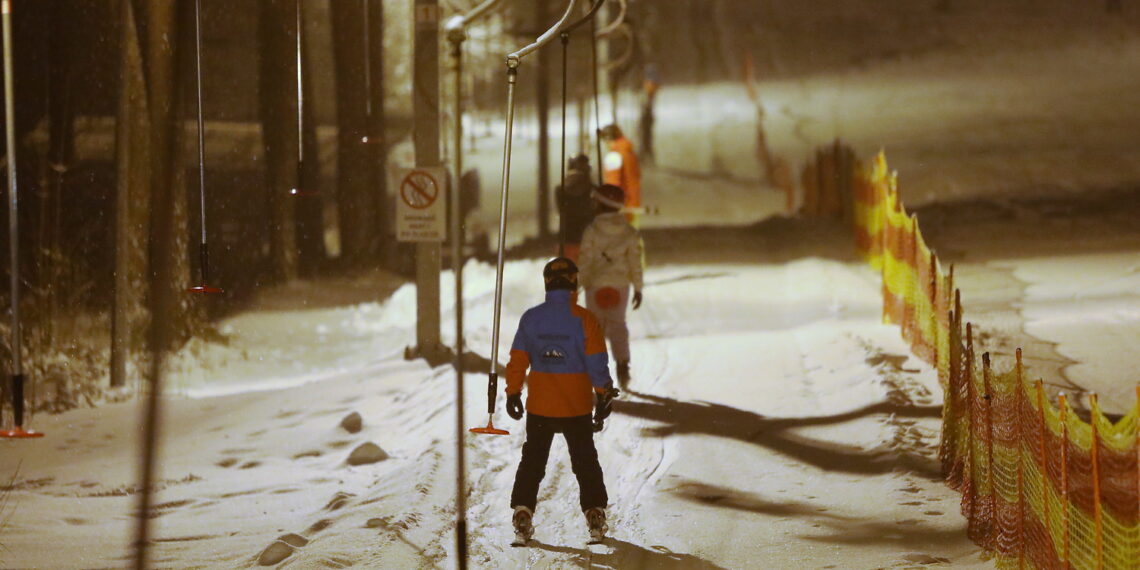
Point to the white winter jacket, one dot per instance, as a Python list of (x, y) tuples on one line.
[(612, 253)]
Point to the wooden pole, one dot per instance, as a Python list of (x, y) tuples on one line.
[(1098, 509), (1020, 437), (426, 118), (932, 293), (1039, 385), (989, 443), (1063, 404)]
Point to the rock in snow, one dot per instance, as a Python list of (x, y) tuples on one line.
[(352, 423), (367, 453)]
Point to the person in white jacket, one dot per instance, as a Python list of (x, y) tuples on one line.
[(611, 263)]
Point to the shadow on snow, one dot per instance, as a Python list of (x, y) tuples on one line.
[(707, 418)]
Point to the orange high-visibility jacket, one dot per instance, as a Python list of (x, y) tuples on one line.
[(563, 346), (621, 169)]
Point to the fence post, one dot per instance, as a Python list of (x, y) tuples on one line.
[(989, 399), (975, 427), (1044, 458), (909, 310), (1020, 439), (1098, 516), (1063, 404), (933, 295)]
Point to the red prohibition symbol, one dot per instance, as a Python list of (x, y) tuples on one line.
[(419, 190)]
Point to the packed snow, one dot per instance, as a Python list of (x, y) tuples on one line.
[(772, 421)]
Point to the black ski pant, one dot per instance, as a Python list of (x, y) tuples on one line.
[(579, 434)]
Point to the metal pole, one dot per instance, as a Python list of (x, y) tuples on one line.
[(203, 249), (542, 115), (367, 60), (457, 34), (301, 104), (560, 196), (513, 60), (597, 109), (201, 120), (512, 76), (13, 219), (456, 38)]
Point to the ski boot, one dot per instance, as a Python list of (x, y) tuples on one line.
[(524, 527), (596, 521)]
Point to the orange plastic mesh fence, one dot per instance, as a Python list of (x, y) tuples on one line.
[(1041, 487)]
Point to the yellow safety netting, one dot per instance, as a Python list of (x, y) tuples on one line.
[(1041, 486)]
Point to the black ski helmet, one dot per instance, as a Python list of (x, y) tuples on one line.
[(560, 273)]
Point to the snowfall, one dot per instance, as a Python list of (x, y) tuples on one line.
[(773, 420)]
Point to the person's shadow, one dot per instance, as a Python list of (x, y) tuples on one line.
[(777, 434)]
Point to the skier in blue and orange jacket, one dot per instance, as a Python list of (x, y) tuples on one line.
[(562, 345)]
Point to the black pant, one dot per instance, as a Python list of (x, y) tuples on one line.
[(579, 434)]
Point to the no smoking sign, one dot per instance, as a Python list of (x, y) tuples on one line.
[(420, 212)]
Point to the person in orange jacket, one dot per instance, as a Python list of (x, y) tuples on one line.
[(621, 168), (563, 346)]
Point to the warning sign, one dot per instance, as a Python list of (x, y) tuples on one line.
[(420, 204)]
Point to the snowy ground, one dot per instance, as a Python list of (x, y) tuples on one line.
[(772, 422)]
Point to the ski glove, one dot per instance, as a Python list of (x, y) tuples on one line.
[(636, 300), (604, 404), (515, 406), (602, 407)]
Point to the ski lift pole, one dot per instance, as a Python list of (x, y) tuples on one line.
[(601, 34), (565, 36), (203, 247), (17, 392), (513, 61), (457, 33)]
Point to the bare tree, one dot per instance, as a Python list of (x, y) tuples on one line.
[(378, 141), (356, 172), (169, 227), (309, 210), (280, 129), (132, 148)]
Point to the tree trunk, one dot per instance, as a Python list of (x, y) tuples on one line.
[(355, 172), (132, 147), (378, 141), (279, 130), (309, 207), (60, 154), (168, 242)]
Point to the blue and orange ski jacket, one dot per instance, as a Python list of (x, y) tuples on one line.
[(563, 346)]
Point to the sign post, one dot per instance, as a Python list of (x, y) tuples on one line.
[(426, 136)]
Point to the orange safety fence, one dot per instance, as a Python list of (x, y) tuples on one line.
[(1041, 487)]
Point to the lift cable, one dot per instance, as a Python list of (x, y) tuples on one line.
[(565, 36)]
